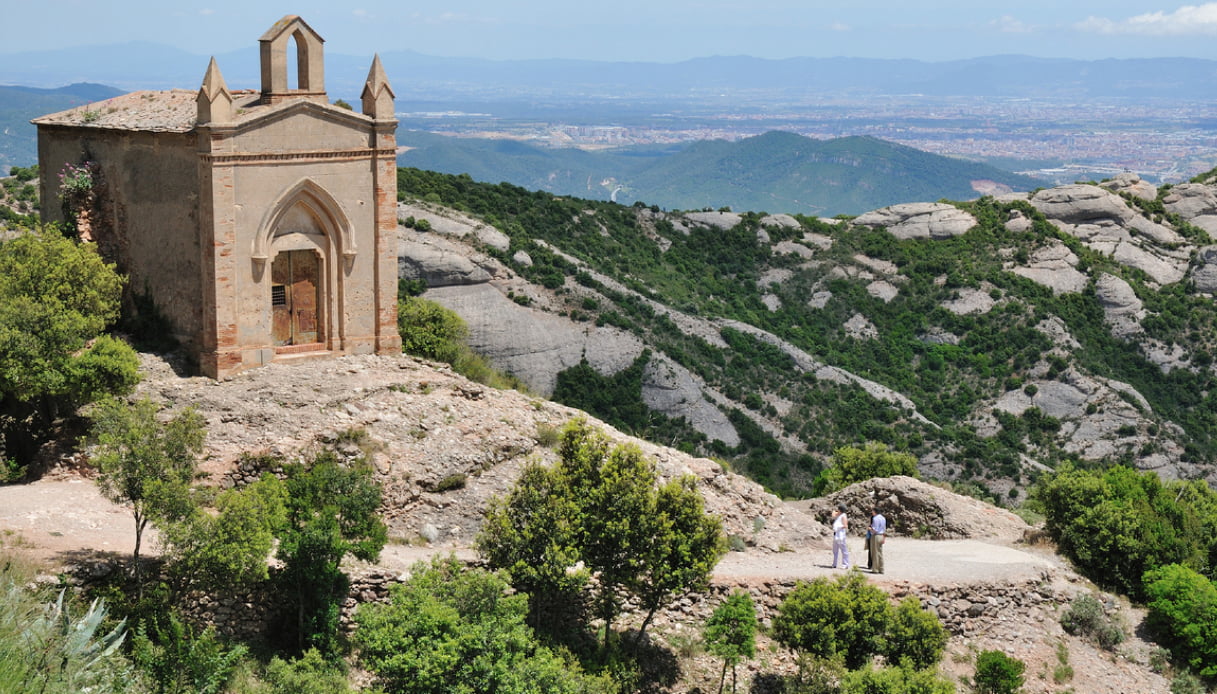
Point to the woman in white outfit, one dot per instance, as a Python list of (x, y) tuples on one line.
[(840, 528)]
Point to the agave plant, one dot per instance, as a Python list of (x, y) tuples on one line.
[(44, 649)]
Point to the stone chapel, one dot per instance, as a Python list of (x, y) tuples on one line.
[(261, 224)]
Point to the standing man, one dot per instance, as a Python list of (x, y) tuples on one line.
[(874, 540), (840, 529)]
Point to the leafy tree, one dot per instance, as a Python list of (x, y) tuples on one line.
[(914, 635), (1183, 609), (449, 630), (601, 505), (146, 463), (730, 633), (56, 297), (1118, 523), (229, 548), (998, 673), (684, 548), (532, 532), (846, 617), (331, 512), (851, 464)]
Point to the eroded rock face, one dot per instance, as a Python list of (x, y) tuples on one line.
[(920, 220), (1195, 202), (670, 388), (439, 262), (532, 344), (450, 222), (1131, 184), (1205, 275), (1121, 307), (1105, 223), (1055, 267)]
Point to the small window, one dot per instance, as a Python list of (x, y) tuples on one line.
[(278, 295)]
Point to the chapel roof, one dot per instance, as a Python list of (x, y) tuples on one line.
[(173, 110)]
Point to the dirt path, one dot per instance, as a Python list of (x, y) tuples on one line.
[(58, 521)]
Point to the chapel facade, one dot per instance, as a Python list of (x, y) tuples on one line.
[(261, 224)]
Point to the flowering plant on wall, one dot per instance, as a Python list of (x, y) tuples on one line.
[(76, 192)]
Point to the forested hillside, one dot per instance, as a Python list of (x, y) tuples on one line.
[(989, 338), (777, 171)]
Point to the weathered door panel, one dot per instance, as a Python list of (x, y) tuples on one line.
[(295, 279)]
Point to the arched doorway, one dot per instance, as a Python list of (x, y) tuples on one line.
[(295, 299)]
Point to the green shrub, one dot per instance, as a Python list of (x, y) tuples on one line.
[(730, 633), (311, 673), (914, 634), (429, 330), (46, 648), (852, 464), (998, 673), (177, 660), (846, 617), (1183, 610), (1086, 617), (894, 680), (450, 629)]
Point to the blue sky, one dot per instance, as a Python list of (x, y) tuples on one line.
[(654, 30)]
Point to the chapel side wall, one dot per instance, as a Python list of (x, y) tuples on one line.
[(147, 203)]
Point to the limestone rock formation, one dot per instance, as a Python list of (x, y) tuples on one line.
[(1055, 267), (1205, 274), (1195, 202), (1131, 184), (1121, 307), (1105, 223), (919, 220)]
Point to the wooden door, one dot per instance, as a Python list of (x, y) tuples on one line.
[(295, 281)]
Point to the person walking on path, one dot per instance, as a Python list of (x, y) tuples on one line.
[(840, 529), (875, 536)]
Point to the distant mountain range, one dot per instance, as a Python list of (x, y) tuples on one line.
[(144, 65), (19, 139), (775, 172)]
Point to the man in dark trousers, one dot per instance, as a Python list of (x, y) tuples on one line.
[(874, 540)]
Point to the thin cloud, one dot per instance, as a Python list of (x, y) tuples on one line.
[(840, 27), (1011, 25), (1187, 20)]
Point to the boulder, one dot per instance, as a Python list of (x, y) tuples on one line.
[(913, 507), (1131, 184), (718, 220), (1081, 203), (919, 220), (784, 221), (970, 301), (859, 328), (883, 290)]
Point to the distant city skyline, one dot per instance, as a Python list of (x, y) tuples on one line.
[(630, 30)]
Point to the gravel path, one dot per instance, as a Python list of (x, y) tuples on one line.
[(59, 520)]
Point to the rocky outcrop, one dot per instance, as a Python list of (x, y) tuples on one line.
[(970, 301), (1195, 202), (916, 509), (1122, 309), (1131, 184), (672, 389), (919, 220), (440, 262), (717, 220), (1205, 274), (1106, 224), (447, 221), (1054, 266)]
